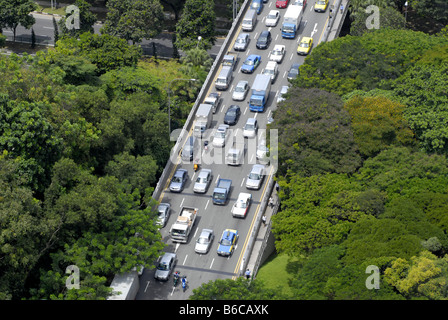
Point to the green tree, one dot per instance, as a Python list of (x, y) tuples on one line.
[(315, 134), (16, 12), (197, 20), (86, 20), (239, 289), (378, 123), (431, 9), (389, 18), (133, 20)]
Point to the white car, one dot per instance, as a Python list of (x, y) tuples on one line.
[(271, 70), (278, 53), (281, 94), (242, 204), (204, 241), (219, 139), (241, 89), (272, 18)]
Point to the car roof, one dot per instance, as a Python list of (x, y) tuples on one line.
[(251, 120), (206, 231), (306, 39), (257, 168), (228, 233), (244, 195), (167, 256), (204, 172), (279, 46), (264, 33), (253, 56), (243, 35), (163, 205), (233, 106), (271, 64), (241, 82), (180, 171)]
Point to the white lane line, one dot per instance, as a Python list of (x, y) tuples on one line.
[(212, 263), (185, 259), (206, 205), (217, 178), (182, 202), (147, 284)]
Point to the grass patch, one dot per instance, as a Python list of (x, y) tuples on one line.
[(59, 10), (277, 271)]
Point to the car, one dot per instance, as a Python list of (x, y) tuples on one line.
[(305, 46), (281, 4), (321, 5), (204, 242), (255, 177), (163, 212), (277, 53), (251, 63), (257, 5), (232, 115), (301, 3), (241, 42), (220, 137), (250, 128), (264, 40), (283, 91), (230, 60), (178, 181), (241, 90), (271, 70), (203, 181), (165, 266), (272, 18), (235, 155), (242, 205), (293, 71), (228, 242), (262, 153)]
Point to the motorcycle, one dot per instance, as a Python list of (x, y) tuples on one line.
[(196, 165), (184, 283)]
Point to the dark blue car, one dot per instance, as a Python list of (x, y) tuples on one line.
[(251, 63)]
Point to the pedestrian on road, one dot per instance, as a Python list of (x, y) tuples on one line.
[(271, 202), (247, 274)]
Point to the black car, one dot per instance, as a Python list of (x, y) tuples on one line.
[(264, 40), (294, 71), (232, 115)]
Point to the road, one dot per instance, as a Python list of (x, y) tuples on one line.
[(203, 268)]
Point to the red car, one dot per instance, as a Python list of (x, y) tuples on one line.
[(282, 4)]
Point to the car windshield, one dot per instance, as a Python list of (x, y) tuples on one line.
[(255, 5), (202, 240), (304, 44), (163, 266), (239, 88), (288, 29), (263, 39), (249, 62), (294, 71), (177, 179), (219, 196), (249, 127), (269, 71), (231, 113), (320, 1), (240, 40), (277, 52), (272, 16), (219, 134)]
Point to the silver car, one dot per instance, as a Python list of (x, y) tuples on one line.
[(204, 241), (241, 90), (178, 181), (262, 152), (165, 266), (163, 210), (203, 181), (283, 91), (241, 42), (255, 177)]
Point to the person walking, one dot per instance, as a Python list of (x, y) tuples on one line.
[(263, 218), (247, 274), (342, 8)]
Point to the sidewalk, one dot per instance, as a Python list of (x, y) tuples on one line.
[(262, 237), (338, 21)]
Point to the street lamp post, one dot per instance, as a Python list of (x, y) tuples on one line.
[(405, 13), (199, 40), (169, 100)]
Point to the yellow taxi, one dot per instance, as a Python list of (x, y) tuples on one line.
[(305, 46), (321, 5)]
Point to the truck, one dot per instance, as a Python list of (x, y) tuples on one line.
[(125, 286), (214, 99), (203, 119), (260, 93), (291, 21), (222, 191), (181, 228)]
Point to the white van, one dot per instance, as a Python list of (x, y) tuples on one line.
[(250, 20), (224, 78)]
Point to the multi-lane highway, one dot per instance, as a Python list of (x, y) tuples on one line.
[(200, 268)]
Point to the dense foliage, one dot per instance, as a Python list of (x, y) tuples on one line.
[(81, 151)]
